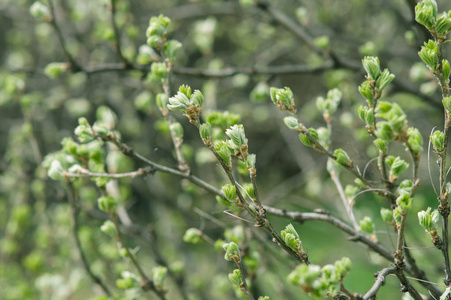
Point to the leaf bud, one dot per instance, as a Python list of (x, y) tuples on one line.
[(107, 204), (54, 69), (415, 140), (426, 13), (387, 215), (342, 157), (384, 79), (109, 228), (235, 277), (384, 131), (291, 122), (192, 236), (232, 251), (177, 130), (446, 70), (366, 225), (159, 275), (366, 91), (229, 192), (438, 141), (305, 139), (404, 202), (371, 66), (447, 103), (171, 48), (40, 11), (56, 170), (381, 145)]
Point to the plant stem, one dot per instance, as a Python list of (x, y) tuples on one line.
[(75, 212)]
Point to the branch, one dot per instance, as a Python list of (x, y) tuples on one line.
[(75, 67), (75, 211), (380, 281)]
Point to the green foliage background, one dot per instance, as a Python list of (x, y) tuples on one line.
[(38, 258)]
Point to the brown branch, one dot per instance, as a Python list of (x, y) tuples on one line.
[(75, 212), (380, 281)]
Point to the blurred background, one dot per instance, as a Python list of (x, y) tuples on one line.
[(233, 51)]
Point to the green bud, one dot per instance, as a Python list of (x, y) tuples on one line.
[(205, 132), (229, 192), (179, 102), (192, 236), (162, 102), (177, 130), (447, 103), (381, 145), (107, 204), (197, 98), (291, 238), (232, 251), (404, 202), (83, 133), (351, 190), (366, 91), (446, 69), (342, 157), (159, 70), (263, 298), (236, 134), (283, 98), (322, 42), (171, 48), (128, 281), (426, 13), (159, 275), (415, 140), (384, 131), (291, 122), (40, 11), (143, 102), (428, 220), (387, 215), (438, 141), (366, 225), (235, 277), (250, 190), (384, 79), (305, 139), (324, 136), (359, 182), (186, 90), (109, 228), (250, 161), (397, 215), (56, 170), (397, 167), (371, 66), (224, 152), (405, 186), (343, 266), (100, 130), (443, 25), (429, 54), (54, 69)]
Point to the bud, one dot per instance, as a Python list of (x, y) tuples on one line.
[(305, 139), (366, 225), (404, 202), (205, 133), (179, 102), (446, 70), (438, 141), (283, 98), (107, 204), (54, 69), (232, 251), (381, 145), (443, 25), (186, 90), (171, 48), (426, 13), (291, 122), (109, 228), (371, 66), (260, 92), (343, 266), (192, 236), (177, 130), (159, 275), (224, 152), (351, 190), (429, 54), (252, 261), (322, 42), (415, 140), (83, 132), (128, 281), (397, 215), (387, 215), (100, 130), (291, 238), (235, 277), (229, 192), (40, 11), (250, 161), (366, 91), (384, 131), (56, 170), (197, 98), (250, 190), (384, 79), (342, 157), (236, 134), (162, 101), (397, 167)]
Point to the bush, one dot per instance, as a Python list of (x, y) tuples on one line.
[(108, 192)]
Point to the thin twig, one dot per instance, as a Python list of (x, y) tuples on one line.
[(380, 281), (75, 211)]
